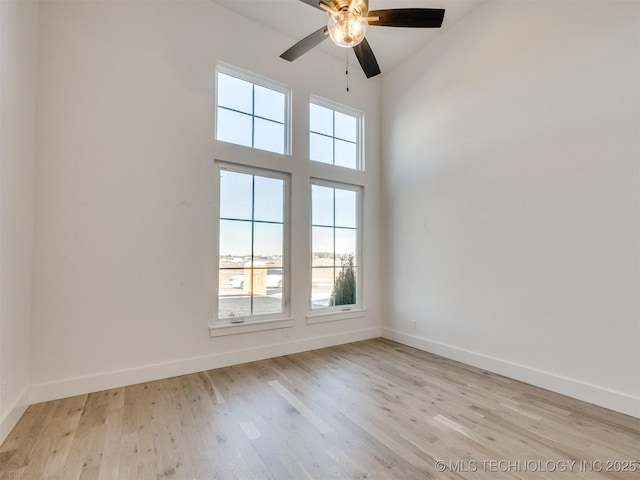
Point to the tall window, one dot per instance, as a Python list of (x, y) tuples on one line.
[(335, 245), (252, 249), (334, 134), (252, 111)]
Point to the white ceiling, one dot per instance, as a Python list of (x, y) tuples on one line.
[(390, 45)]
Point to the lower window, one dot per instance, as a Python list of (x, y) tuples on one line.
[(335, 245), (253, 226)]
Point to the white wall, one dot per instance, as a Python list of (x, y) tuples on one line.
[(124, 279), (18, 74), (511, 184)]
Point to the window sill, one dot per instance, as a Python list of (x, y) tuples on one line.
[(249, 326), (335, 315)]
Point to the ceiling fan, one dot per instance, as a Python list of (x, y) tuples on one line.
[(347, 26)]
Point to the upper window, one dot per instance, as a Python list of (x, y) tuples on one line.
[(252, 111), (252, 271), (335, 245), (334, 134)]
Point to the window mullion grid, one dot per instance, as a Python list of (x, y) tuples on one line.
[(333, 116), (253, 118), (287, 132), (229, 109), (334, 241), (263, 118), (253, 237)]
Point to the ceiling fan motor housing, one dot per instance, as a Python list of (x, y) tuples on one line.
[(361, 7)]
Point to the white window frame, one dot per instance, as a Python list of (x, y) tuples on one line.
[(261, 81), (259, 322), (339, 312), (359, 116)]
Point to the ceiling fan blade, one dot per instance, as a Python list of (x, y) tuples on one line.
[(313, 3), (367, 59), (408, 17), (306, 44)]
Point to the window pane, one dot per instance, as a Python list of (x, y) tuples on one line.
[(334, 246), (265, 304), (269, 104), (265, 298), (322, 205), (231, 281), (320, 119), (334, 137), (233, 302), (346, 208), (346, 155), (276, 261), (321, 287), (344, 288), (235, 239), (251, 255), (346, 127), (235, 195), (320, 148), (234, 306), (345, 244), (251, 115), (231, 262), (275, 279), (234, 127), (267, 241), (322, 246), (268, 136), (269, 199), (235, 93)]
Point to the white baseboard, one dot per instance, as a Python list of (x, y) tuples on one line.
[(103, 381), (13, 414), (618, 401)]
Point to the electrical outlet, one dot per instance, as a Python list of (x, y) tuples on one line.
[(413, 324), (5, 389), (286, 333)]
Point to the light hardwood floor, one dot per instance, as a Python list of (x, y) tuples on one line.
[(373, 409)]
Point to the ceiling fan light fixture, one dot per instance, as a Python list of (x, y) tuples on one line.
[(347, 29)]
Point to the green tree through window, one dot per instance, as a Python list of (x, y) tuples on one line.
[(344, 291)]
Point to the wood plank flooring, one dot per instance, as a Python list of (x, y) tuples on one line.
[(368, 410)]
